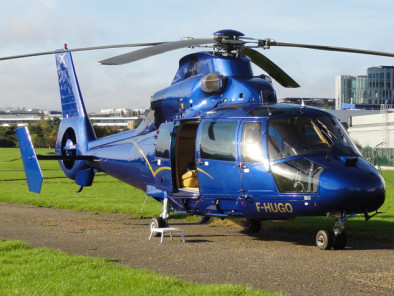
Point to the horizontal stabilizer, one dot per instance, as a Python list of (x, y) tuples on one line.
[(65, 157), (30, 162)]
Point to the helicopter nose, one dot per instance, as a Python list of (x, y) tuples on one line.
[(356, 189)]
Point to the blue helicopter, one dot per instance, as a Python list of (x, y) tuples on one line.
[(216, 142)]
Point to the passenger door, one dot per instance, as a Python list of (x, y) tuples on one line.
[(217, 159), (256, 177)]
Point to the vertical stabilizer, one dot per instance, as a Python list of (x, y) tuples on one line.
[(75, 131), (71, 97)]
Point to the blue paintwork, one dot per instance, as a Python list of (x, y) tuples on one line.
[(75, 119), (30, 163), (228, 32), (226, 188), (184, 98)]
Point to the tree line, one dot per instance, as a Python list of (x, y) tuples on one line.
[(43, 133)]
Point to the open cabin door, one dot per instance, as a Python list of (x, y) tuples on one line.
[(161, 166)]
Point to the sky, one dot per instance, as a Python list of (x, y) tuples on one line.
[(41, 25)]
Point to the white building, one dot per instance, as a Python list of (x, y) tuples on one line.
[(372, 130)]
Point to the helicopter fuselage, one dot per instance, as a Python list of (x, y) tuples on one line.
[(249, 160)]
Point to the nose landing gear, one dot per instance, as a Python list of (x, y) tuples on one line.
[(337, 238)]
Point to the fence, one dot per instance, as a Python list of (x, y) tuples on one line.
[(379, 156)]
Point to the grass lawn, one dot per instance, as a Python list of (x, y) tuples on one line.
[(106, 195), (28, 271)]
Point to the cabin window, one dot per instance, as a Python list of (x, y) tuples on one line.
[(218, 140), (164, 141), (251, 142)]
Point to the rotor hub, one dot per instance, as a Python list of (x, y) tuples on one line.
[(228, 40), (227, 34)]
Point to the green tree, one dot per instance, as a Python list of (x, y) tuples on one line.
[(8, 136), (44, 132)]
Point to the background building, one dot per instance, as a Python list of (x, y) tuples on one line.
[(377, 87), (374, 134), (343, 93), (381, 85), (121, 118), (324, 103), (359, 89), (350, 90)]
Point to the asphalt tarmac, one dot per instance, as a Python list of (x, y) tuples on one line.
[(281, 262)]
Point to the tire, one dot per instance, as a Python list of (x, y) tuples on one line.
[(252, 226), (339, 241), (324, 240), (157, 222)]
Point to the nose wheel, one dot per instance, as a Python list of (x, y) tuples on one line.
[(335, 239)]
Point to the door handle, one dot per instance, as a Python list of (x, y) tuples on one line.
[(242, 166), (157, 161)]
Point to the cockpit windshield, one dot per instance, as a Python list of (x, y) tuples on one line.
[(301, 135), (292, 136), (336, 134)]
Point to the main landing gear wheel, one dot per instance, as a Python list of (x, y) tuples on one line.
[(252, 225), (325, 240), (161, 221), (157, 222), (339, 241)]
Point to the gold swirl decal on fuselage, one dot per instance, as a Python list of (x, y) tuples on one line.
[(154, 173), (200, 170)]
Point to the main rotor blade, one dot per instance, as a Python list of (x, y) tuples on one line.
[(154, 50), (329, 48), (270, 67), (77, 49)]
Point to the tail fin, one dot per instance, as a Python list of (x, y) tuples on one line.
[(70, 93), (75, 131)]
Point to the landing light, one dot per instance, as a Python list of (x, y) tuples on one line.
[(212, 82)]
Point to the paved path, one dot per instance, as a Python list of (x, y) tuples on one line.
[(279, 262)]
